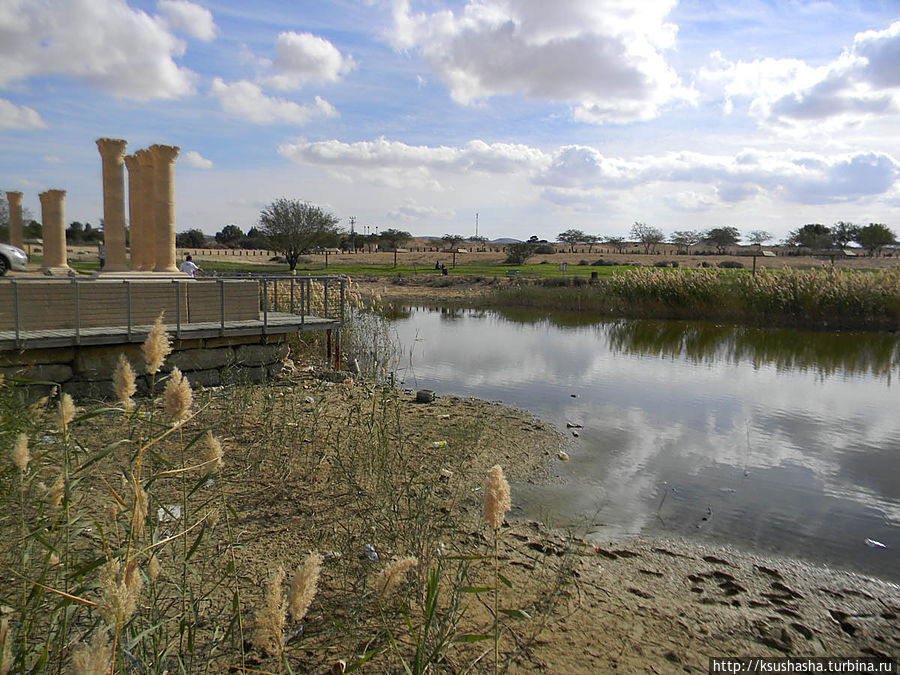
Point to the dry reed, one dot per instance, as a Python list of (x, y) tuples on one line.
[(177, 396), (65, 412), (270, 617), (119, 591), (303, 586), (6, 657), (392, 575), (156, 347), (496, 497), (20, 456), (123, 382), (93, 659), (213, 454)]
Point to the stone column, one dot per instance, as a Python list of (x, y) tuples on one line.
[(54, 230), (164, 191), (146, 218), (134, 207), (16, 238), (112, 150)]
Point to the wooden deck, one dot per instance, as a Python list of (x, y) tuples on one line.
[(275, 323)]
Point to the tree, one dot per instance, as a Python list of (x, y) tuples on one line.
[(518, 253), (759, 237), (684, 239), (842, 233), (647, 235), (294, 227), (452, 241), (812, 235), (191, 239), (478, 240), (617, 243), (591, 240), (254, 239), (571, 238), (875, 236), (230, 236), (722, 238), (394, 239)]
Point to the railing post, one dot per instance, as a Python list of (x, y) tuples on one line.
[(275, 294), (325, 286), (343, 280), (128, 309), (15, 287), (265, 305), (177, 311), (77, 313), (292, 295), (302, 304), (221, 283)]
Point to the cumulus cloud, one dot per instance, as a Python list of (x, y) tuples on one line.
[(578, 175), (862, 82), (104, 43), (14, 116), (194, 159), (304, 57), (604, 57), (189, 18), (246, 100)]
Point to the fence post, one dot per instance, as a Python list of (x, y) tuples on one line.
[(343, 280)]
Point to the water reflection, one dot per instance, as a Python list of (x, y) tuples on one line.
[(781, 440)]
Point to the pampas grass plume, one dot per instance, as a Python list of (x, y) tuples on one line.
[(303, 586), (270, 617), (5, 647), (93, 659), (496, 497), (156, 347), (177, 396), (212, 456), (154, 568), (19, 454), (123, 382), (65, 412), (119, 591), (393, 574), (54, 495), (139, 514)]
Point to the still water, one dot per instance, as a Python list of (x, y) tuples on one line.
[(777, 441)]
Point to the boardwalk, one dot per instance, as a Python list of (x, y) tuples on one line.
[(274, 323)]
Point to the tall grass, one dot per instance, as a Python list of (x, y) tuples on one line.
[(817, 297), (147, 536)]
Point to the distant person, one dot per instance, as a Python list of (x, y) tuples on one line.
[(437, 264), (188, 266)]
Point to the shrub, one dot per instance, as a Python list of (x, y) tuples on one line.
[(731, 265), (544, 249)]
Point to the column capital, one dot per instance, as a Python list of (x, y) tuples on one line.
[(165, 153), (131, 162), (55, 194), (14, 198), (111, 148)]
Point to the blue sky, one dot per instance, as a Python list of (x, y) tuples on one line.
[(539, 116)]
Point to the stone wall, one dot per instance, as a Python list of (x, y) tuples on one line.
[(87, 371)]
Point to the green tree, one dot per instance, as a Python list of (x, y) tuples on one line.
[(254, 239), (231, 236), (647, 235), (617, 243), (294, 228), (193, 238), (684, 239), (452, 241), (74, 232), (812, 235), (874, 237), (571, 238), (722, 237), (842, 233), (518, 253), (394, 239), (759, 237)]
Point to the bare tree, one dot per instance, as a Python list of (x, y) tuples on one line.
[(294, 227), (647, 235)]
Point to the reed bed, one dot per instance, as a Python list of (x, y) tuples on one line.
[(818, 297), (291, 527)]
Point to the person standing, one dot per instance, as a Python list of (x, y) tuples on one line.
[(189, 267)]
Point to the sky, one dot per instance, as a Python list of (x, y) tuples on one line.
[(537, 116)]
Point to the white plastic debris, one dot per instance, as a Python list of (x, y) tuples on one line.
[(439, 444), (875, 544), (169, 513), (563, 455), (369, 552)]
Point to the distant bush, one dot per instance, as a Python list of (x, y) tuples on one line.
[(600, 262), (731, 265), (544, 249), (582, 263)]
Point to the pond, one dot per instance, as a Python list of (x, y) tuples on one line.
[(778, 441)]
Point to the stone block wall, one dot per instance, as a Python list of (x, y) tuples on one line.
[(87, 372)]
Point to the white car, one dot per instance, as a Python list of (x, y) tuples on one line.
[(12, 258)]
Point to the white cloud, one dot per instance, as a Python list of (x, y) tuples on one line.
[(14, 116), (604, 57), (410, 211), (189, 18), (304, 57), (53, 159), (246, 100), (690, 201), (579, 175), (194, 159), (104, 43), (861, 83)]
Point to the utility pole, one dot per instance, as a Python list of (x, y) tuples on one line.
[(476, 223), (353, 232)]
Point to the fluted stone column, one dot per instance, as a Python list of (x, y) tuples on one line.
[(112, 150), (54, 231), (164, 191), (134, 207), (146, 219), (16, 237)]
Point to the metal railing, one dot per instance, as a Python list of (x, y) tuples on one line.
[(321, 297)]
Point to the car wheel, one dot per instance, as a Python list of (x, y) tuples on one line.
[(4, 265)]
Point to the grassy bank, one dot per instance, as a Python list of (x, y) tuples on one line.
[(820, 297)]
